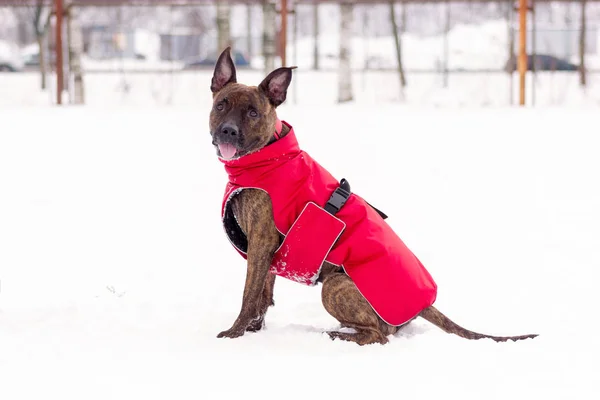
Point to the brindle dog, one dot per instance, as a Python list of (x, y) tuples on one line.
[(242, 121)]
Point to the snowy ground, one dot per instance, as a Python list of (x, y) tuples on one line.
[(116, 277), (310, 88)]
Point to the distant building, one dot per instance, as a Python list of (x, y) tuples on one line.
[(104, 42), (181, 44)]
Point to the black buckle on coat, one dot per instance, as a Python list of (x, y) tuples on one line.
[(338, 198)]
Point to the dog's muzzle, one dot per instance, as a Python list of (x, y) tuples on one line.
[(227, 140)]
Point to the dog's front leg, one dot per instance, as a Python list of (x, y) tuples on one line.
[(265, 302), (254, 213)]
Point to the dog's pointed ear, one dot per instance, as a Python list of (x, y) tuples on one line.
[(224, 71), (275, 85)]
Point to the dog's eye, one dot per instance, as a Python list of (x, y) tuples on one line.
[(220, 106), (253, 113)]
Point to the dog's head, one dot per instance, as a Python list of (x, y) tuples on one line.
[(243, 118)]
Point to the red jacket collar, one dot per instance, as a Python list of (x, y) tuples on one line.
[(268, 157)]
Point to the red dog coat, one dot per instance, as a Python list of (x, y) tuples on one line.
[(384, 270)]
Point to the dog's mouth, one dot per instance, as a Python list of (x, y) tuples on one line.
[(230, 151), (227, 150)]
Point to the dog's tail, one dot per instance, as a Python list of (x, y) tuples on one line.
[(432, 315)]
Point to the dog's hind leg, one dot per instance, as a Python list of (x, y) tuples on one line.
[(344, 302)]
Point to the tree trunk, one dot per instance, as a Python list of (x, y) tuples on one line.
[(316, 36), (511, 49), (582, 72), (295, 60), (42, 53), (75, 44), (269, 35), (249, 31), (345, 72), (223, 28), (568, 25), (22, 32), (532, 6), (522, 60), (398, 49), (446, 43), (403, 21), (58, 49)]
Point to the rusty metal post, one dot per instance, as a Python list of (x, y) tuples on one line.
[(522, 49), (58, 6), (283, 33)]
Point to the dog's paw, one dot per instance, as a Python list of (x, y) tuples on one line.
[(231, 333), (360, 338), (256, 325)]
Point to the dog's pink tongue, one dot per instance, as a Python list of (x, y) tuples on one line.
[(227, 151)]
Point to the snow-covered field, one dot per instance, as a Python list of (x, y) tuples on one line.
[(479, 46), (470, 47), (116, 277), (310, 88)]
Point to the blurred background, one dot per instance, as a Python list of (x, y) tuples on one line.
[(152, 52)]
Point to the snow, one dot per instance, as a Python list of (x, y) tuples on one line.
[(9, 54), (471, 47), (128, 65), (116, 276), (310, 88), (482, 46)]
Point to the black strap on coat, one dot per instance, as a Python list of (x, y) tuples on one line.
[(340, 196)]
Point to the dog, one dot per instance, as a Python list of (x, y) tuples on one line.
[(261, 218)]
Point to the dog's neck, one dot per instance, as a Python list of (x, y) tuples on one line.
[(280, 131)]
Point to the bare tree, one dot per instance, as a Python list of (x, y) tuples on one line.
[(269, 34), (446, 42), (39, 16), (223, 25), (398, 47), (511, 48), (195, 17), (316, 36), (75, 45), (344, 71), (582, 32), (249, 30)]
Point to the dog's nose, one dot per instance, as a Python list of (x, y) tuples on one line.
[(229, 130)]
